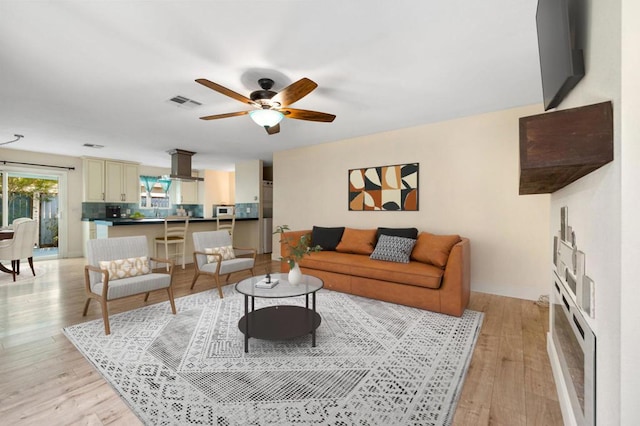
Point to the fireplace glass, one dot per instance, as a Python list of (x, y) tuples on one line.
[(575, 344)]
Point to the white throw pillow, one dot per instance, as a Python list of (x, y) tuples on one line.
[(226, 252), (123, 268)]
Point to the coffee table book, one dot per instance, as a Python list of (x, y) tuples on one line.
[(263, 283)]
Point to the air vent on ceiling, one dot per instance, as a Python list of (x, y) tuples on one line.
[(93, 145), (184, 102)]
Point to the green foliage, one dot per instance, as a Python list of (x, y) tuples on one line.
[(296, 252), (28, 186)]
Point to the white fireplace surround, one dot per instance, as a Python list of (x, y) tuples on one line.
[(572, 302)]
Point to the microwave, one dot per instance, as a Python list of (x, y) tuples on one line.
[(224, 210)]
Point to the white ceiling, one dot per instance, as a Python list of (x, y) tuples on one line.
[(101, 72)]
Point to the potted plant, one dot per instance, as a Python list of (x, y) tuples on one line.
[(294, 252)]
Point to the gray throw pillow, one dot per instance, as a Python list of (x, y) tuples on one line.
[(393, 249)]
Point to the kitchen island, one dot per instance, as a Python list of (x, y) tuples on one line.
[(244, 234)]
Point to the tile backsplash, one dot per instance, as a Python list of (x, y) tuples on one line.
[(247, 210), (98, 210)]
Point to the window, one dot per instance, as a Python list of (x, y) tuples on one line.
[(154, 192)]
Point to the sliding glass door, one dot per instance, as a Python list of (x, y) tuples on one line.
[(36, 196)]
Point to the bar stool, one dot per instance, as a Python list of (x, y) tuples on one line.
[(228, 226), (175, 232)]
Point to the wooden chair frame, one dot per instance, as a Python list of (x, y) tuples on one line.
[(102, 298), (216, 275)]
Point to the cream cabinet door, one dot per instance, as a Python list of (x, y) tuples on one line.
[(130, 183), (188, 192), (94, 180), (122, 183), (113, 181)]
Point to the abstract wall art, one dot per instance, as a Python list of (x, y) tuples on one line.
[(384, 188)]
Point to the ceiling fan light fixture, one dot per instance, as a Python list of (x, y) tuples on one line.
[(266, 117)]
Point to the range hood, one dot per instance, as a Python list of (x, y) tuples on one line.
[(181, 165)]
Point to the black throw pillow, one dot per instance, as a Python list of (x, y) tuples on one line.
[(398, 232), (327, 238)]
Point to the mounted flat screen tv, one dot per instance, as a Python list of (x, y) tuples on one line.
[(558, 24)]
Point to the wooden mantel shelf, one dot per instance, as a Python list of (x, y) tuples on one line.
[(560, 147)]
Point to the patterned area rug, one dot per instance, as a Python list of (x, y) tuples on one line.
[(375, 363)]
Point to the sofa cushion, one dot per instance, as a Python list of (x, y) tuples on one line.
[(398, 232), (327, 238), (393, 249), (434, 249), (133, 285), (357, 241), (412, 273)]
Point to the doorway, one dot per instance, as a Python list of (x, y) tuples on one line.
[(36, 196)]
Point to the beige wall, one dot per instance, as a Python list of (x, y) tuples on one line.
[(248, 181), (469, 178), (219, 189)]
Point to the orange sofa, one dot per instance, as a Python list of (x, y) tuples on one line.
[(443, 287)]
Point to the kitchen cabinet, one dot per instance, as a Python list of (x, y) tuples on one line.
[(184, 192), (122, 182), (111, 181), (93, 170), (188, 193)]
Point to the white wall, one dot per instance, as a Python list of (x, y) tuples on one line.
[(594, 202), (630, 205), (469, 179)]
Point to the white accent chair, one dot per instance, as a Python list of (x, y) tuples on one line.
[(175, 233), (25, 232), (99, 287), (245, 257)]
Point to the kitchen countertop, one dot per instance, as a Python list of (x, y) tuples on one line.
[(156, 220)]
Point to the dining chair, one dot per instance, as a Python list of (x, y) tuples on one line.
[(215, 255), (175, 233), (25, 232), (222, 223), (20, 220), (120, 267)]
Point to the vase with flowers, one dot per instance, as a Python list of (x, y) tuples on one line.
[(296, 250)]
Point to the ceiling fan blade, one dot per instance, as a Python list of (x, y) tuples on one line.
[(273, 129), (302, 114), (228, 92), (295, 91), (227, 115)]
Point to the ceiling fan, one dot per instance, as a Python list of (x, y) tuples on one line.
[(271, 107)]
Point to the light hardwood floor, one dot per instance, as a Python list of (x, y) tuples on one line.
[(45, 380)]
